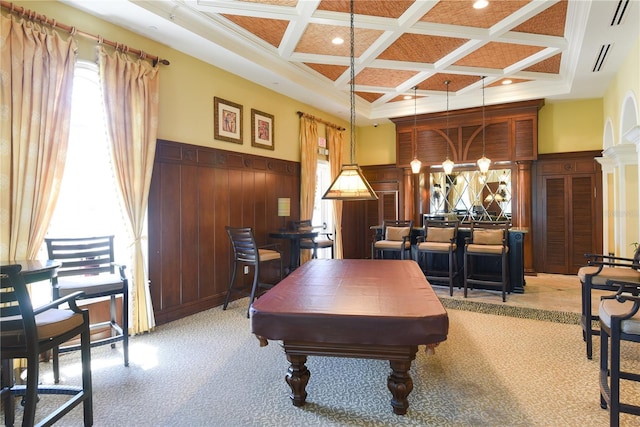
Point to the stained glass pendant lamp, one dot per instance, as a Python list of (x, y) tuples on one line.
[(351, 184)]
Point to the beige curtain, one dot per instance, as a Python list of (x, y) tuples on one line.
[(335, 142), (130, 89), (36, 84), (308, 170)]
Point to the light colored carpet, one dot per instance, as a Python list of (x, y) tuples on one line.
[(208, 370)]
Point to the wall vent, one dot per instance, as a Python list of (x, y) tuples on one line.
[(620, 10), (602, 56)]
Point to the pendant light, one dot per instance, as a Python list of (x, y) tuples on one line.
[(351, 184), (415, 163), (483, 162), (447, 165)]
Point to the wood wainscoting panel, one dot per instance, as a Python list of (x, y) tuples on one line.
[(196, 192)]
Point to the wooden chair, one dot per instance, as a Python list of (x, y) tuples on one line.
[(315, 243), (247, 253), (440, 239), (594, 276), (395, 238), (619, 321), (488, 239), (26, 333), (88, 265)]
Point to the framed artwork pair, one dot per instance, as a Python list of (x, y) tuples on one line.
[(228, 124)]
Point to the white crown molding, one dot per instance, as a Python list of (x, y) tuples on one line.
[(633, 136), (608, 164), (622, 154)]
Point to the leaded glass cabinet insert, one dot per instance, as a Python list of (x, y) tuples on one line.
[(471, 195)]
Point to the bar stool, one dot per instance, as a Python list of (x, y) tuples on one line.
[(619, 321), (314, 243), (440, 239), (246, 252), (488, 239), (600, 270), (395, 237)]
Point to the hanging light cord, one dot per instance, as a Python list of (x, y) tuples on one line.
[(447, 142), (415, 118), (483, 122), (352, 99)]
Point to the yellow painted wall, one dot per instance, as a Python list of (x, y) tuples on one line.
[(626, 80), (624, 222), (608, 180), (188, 86), (566, 126), (376, 145), (631, 217)]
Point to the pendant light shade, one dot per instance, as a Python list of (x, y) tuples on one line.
[(351, 184), (483, 162), (415, 163), (447, 165)]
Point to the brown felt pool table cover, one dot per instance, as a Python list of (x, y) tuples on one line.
[(369, 302)]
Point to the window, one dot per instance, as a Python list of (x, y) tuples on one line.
[(88, 204), (323, 209)]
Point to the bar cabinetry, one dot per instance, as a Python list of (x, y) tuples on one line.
[(491, 267)]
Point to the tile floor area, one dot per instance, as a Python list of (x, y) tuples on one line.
[(544, 291)]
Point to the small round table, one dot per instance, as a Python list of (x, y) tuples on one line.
[(294, 237), (35, 270)]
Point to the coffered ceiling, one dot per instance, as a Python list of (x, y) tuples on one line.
[(554, 49)]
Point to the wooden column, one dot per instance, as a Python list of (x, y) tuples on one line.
[(524, 212), (410, 201)]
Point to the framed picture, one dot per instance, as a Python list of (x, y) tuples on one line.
[(262, 131), (227, 120)]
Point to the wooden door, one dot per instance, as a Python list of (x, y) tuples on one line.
[(555, 224), (584, 220), (357, 219), (569, 212)]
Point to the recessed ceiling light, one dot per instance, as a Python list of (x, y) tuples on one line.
[(408, 97), (337, 40), (480, 4), (507, 81)]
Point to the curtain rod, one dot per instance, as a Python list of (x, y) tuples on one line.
[(309, 116), (32, 15)]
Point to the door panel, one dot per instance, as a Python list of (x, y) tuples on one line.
[(568, 220), (555, 234), (582, 220)]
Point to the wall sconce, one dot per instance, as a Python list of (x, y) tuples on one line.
[(502, 192), (284, 210), (437, 192)]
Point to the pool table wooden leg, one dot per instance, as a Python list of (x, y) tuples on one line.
[(400, 384), (297, 377)]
